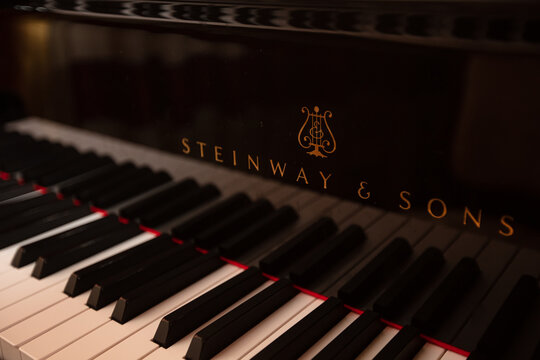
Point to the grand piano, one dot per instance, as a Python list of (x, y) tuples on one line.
[(269, 180)]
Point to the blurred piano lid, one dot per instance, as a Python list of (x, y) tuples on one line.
[(498, 25)]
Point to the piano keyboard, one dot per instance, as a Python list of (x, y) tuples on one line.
[(111, 250)]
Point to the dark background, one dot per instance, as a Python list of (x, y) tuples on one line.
[(460, 125)]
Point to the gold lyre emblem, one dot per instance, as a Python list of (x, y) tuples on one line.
[(316, 133)]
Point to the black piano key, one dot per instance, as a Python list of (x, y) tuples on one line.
[(446, 295), (83, 279), (279, 259), (477, 355), (13, 208), (86, 163), (9, 186), (327, 252), (467, 244), (501, 328), (95, 189), (12, 192), (522, 342), (7, 183), (300, 337), (31, 215), (43, 225), (536, 354), (13, 144), (14, 140), (135, 210), (25, 159), (87, 176), (59, 160), (354, 339), (189, 317), (31, 156), (258, 231), (58, 260), (120, 188), (222, 332), (137, 186), (526, 262), (404, 346), (139, 300), (356, 290), (30, 252), (394, 299), (191, 227), (233, 223), (112, 287), (492, 261), (179, 206), (98, 177)]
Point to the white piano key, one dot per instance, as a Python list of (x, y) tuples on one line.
[(282, 194), (66, 333), (111, 333), (140, 344), (329, 336), (7, 253), (32, 285), (271, 328), (378, 344), (179, 349), (14, 276), (31, 305), (134, 347), (78, 326), (218, 176), (245, 184), (430, 352), (16, 336), (450, 355), (301, 199), (25, 196), (262, 188)]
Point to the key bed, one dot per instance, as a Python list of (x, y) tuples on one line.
[(165, 293)]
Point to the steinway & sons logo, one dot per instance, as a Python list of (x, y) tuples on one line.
[(316, 134), (316, 137)]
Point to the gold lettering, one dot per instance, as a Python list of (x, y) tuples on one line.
[(430, 209), (201, 145), (234, 157), (187, 148), (217, 153), (476, 221), (363, 195), (255, 164), (302, 175), (277, 167), (509, 229), (407, 205), (325, 179)]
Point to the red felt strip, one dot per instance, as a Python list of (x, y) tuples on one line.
[(355, 310), (312, 293), (147, 229), (98, 210), (235, 263)]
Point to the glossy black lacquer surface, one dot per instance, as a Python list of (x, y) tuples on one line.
[(433, 105)]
